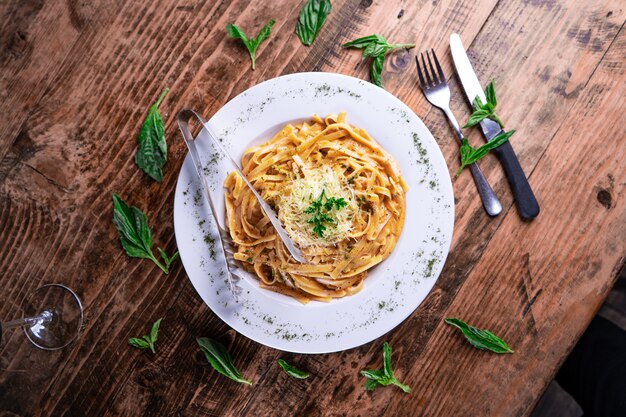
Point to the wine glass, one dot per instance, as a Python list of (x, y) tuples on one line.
[(51, 317)]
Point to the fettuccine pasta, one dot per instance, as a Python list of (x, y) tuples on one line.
[(340, 197)]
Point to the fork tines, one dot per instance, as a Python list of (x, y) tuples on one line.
[(233, 269), (437, 76)]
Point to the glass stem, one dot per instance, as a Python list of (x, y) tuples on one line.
[(44, 317)]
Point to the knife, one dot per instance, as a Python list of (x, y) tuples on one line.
[(527, 204)]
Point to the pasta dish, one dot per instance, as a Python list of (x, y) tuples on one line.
[(340, 197)]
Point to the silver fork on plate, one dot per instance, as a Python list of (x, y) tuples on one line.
[(233, 270), (437, 92)]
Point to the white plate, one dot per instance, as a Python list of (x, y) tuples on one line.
[(393, 289)]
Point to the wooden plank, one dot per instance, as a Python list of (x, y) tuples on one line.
[(36, 37), (340, 391), (100, 85), (78, 147), (553, 276)]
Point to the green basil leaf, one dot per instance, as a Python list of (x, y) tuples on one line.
[(490, 94), (174, 256), (142, 228), (486, 110), (250, 44), (403, 387), (481, 339), (264, 33), (361, 43), (152, 152), (375, 46), (476, 117), (164, 256), (292, 371), (375, 379), (498, 140), (376, 70), (312, 18), (132, 228), (138, 343), (148, 341), (493, 116), (375, 49), (385, 376), (466, 151), (478, 103), (401, 45), (220, 359), (134, 232), (168, 260), (236, 33), (154, 332), (372, 384), (469, 155), (387, 359), (375, 374)]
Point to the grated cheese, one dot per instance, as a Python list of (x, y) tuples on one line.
[(299, 196)]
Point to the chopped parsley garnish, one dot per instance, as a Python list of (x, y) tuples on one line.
[(319, 218)]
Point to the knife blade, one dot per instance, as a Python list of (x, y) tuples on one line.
[(527, 204), (470, 83)]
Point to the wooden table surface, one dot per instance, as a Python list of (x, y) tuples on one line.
[(76, 79)]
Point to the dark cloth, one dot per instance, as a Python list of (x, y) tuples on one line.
[(595, 372)]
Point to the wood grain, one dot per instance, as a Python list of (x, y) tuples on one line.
[(76, 79)]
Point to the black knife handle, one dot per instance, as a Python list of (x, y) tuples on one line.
[(527, 204)]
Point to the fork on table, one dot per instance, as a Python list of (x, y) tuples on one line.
[(437, 92)]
